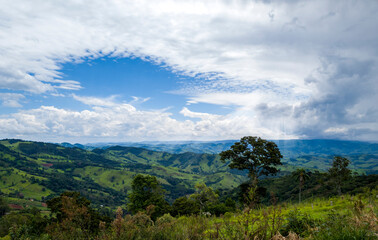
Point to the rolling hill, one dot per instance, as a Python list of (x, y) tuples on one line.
[(311, 154), (36, 170), (39, 171)]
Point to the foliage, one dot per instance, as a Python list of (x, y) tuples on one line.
[(147, 191), (74, 216), (3, 207), (352, 217), (298, 222), (337, 226), (185, 206), (28, 222), (204, 195), (301, 176), (339, 172), (258, 156)]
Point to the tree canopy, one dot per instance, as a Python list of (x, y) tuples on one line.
[(258, 156), (146, 191), (339, 172), (300, 175)]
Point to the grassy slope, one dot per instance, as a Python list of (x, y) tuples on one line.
[(101, 173)]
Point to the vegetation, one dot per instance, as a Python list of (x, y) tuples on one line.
[(339, 172), (301, 175), (103, 176), (175, 197), (308, 154), (147, 194), (345, 217), (4, 208), (258, 156)]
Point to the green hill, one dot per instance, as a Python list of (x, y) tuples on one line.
[(35, 170), (39, 171), (311, 154)]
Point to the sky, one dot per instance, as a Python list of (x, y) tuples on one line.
[(112, 71)]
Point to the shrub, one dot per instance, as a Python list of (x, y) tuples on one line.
[(299, 223), (338, 226)]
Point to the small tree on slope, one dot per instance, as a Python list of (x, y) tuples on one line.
[(339, 172)]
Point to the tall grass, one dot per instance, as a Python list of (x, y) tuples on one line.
[(343, 217)]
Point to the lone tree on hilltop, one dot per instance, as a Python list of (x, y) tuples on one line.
[(339, 172), (258, 156)]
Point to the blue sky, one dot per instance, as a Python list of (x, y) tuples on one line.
[(133, 80), (126, 79), (188, 70)]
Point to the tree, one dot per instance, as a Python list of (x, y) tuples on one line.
[(3, 207), (204, 195), (185, 206), (258, 156), (146, 191), (301, 175), (74, 217), (339, 172)]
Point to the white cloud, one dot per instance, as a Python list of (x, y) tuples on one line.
[(121, 121), (335, 130), (139, 99), (286, 60), (237, 40), (95, 101), (187, 113), (11, 99)]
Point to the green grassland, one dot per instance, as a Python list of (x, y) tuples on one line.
[(311, 219)]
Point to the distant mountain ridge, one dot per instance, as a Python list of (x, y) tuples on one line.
[(310, 154), (289, 148)]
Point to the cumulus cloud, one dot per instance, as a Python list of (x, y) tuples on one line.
[(346, 99), (122, 121), (306, 69)]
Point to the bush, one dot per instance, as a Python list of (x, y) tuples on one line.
[(299, 223), (338, 226)]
